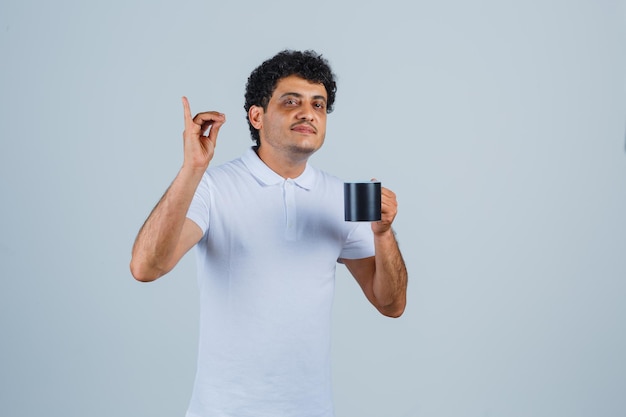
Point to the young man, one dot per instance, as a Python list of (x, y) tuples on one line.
[(269, 231)]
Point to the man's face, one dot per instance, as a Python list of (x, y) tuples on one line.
[(295, 118)]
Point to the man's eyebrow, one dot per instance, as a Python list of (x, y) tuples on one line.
[(298, 95), (287, 94)]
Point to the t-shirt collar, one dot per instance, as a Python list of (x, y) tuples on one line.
[(266, 176)]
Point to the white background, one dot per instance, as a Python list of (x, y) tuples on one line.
[(499, 124)]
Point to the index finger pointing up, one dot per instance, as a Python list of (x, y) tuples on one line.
[(187, 110)]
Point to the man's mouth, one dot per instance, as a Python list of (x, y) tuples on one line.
[(303, 127)]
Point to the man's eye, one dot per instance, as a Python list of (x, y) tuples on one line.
[(319, 105), (291, 102)]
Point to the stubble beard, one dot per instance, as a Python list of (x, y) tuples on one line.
[(295, 150), (301, 150)]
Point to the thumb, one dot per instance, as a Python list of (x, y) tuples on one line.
[(215, 129)]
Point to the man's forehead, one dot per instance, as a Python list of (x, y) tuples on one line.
[(297, 84)]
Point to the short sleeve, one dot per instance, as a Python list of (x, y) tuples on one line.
[(360, 242), (200, 205)]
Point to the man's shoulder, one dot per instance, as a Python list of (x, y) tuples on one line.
[(326, 178), (227, 168)]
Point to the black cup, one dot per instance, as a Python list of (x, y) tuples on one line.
[(362, 201)]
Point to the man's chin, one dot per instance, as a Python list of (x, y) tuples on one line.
[(303, 149)]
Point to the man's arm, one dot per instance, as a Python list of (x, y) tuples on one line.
[(383, 277), (167, 234)]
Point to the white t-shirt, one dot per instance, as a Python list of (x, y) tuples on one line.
[(266, 271)]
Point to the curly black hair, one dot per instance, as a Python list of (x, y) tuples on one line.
[(306, 64)]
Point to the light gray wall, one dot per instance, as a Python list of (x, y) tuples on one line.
[(499, 124)]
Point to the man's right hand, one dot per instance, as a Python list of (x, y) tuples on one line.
[(200, 136)]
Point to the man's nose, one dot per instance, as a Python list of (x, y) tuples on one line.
[(306, 112)]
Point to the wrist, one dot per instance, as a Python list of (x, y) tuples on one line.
[(193, 170), (191, 174), (387, 232)]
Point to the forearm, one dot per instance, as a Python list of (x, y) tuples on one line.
[(158, 238), (390, 277)]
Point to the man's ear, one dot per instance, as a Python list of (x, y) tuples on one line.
[(255, 115)]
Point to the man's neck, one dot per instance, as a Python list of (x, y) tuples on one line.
[(287, 166)]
